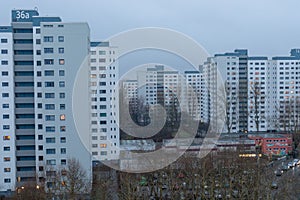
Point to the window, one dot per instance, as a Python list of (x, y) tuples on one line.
[(102, 83), (5, 73), (50, 151), (62, 95), (6, 159), (102, 60), (5, 95), (50, 106), (4, 84), (49, 84), (103, 122), (6, 105), (48, 50), (61, 61), (38, 63), (6, 148), (102, 114), (102, 91), (50, 128), (49, 95), (94, 138), (6, 137), (62, 106), (61, 73), (102, 107), (38, 31), (103, 145), (5, 116), (51, 162), (6, 127), (38, 52), (50, 117), (63, 150), (61, 84), (61, 39), (4, 62), (63, 140), (61, 50), (3, 40), (102, 99), (49, 73), (38, 41), (48, 38), (63, 162), (62, 128), (49, 61), (62, 117), (50, 140), (102, 52), (7, 180), (4, 51)]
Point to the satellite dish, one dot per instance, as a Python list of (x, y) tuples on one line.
[(36, 9)]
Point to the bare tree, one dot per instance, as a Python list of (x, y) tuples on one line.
[(256, 99)]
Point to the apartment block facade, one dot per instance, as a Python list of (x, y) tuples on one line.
[(104, 76), (261, 93), (40, 57)]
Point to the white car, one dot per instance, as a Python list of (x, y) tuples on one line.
[(290, 165), (296, 162)]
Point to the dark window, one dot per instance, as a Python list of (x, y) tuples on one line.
[(48, 38)]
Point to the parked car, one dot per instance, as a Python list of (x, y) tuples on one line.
[(274, 185), (296, 162), (290, 165), (278, 172), (284, 167)]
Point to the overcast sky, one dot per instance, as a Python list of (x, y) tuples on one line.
[(265, 27)]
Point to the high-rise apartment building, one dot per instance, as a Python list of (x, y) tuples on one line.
[(263, 91), (40, 57), (104, 76)]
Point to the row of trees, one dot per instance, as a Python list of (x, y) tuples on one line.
[(221, 176), (217, 176)]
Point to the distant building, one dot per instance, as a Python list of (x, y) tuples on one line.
[(262, 94), (273, 144)]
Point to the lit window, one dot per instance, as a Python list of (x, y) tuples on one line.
[(62, 117), (6, 137), (61, 61), (103, 145)]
